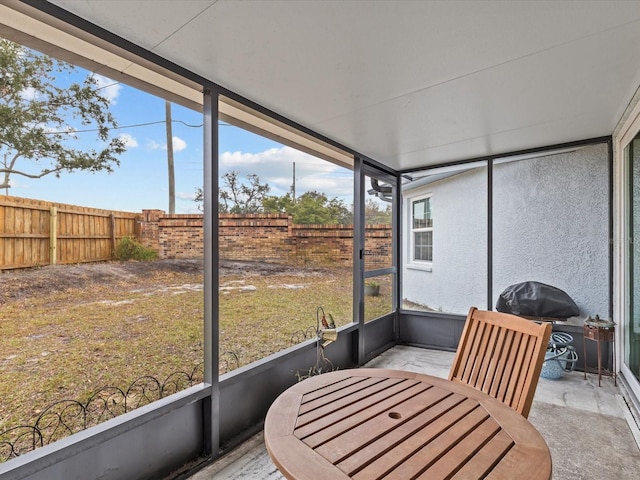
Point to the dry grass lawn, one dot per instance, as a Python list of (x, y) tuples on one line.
[(69, 330)]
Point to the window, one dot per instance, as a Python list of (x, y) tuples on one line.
[(422, 230), (458, 193)]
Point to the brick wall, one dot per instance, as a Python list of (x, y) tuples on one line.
[(322, 245), (332, 245), (180, 236), (148, 228), (378, 246), (267, 238)]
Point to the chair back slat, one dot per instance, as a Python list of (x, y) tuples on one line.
[(501, 376), (518, 371), (496, 363), (501, 355), (488, 362), (470, 352)]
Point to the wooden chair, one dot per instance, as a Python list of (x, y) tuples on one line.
[(502, 355)]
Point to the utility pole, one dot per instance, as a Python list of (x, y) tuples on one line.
[(6, 177), (293, 187), (172, 181)]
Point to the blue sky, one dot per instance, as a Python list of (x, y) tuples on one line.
[(141, 180)]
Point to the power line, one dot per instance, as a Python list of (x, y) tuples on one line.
[(88, 130), (69, 132), (124, 126), (221, 124)]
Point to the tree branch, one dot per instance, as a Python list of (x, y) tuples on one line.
[(29, 175)]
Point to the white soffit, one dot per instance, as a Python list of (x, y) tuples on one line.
[(247, 118), (36, 30), (408, 83)]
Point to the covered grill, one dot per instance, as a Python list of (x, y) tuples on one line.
[(535, 299)]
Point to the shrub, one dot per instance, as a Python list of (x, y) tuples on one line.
[(130, 249)]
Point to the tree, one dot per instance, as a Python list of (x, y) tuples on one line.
[(310, 208), (283, 204), (251, 197), (199, 198), (374, 215), (40, 119), (236, 196), (315, 207)]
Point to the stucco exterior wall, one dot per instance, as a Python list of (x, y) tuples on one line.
[(458, 276), (550, 224)]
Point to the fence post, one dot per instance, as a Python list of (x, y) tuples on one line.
[(53, 235), (113, 235)]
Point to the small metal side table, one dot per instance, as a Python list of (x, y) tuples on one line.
[(600, 334)]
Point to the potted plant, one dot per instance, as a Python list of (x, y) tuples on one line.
[(371, 288)]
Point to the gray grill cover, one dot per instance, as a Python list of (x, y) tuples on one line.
[(535, 299)]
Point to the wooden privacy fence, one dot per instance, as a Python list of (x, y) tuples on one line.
[(35, 232)]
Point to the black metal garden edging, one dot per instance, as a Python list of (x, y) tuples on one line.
[(66, 417)]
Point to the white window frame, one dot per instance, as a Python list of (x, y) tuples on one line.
[(412, 262), (627, 130)]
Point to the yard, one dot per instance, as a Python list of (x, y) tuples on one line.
[(69, 330)]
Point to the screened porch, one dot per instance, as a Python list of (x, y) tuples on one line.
[(500, 136)]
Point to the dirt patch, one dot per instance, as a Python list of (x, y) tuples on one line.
[(70, 330), (24, 283)]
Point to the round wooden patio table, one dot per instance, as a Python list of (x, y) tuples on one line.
[(378, 423)]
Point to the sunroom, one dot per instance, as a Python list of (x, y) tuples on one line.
[(501, 137)]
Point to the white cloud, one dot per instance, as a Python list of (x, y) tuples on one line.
[(129, 140), (186, 196), (275, 167), (186, 203), (108, 88), (178, 145), (56, 129), (153, 145), (28, 93), (274, 156), (14, 183)]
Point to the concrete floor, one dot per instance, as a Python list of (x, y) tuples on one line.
[(590, 431)]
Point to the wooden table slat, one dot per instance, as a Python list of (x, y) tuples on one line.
[(346, 417), (407, 417), (436, 428), (521, 462), (462, 451), (358, 397), (287, 416), (336, 386), (289, 462), (484, 460), (321, 405), (418, 450), (374, 449)]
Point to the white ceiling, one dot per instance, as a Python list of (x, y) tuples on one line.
[(408, 83)]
